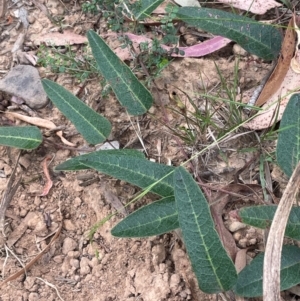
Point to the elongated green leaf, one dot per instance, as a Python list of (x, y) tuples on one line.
[(76, 164), (154, 219), (262, 216), (145, 7), (129, 91), (132, 169), (260, 39), (23, 137), (214, 270), (93, 127), (249, 283), (288, 145)]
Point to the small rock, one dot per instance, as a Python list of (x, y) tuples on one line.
[(69, 245), (77, 278), (74, 263), (77, 202), (33, 297), (41, 229), (58, 258), (23, 212), (238, 50), (24, 81), (88, 278), (84, 266), (73, 254), (159, 254), (29, 282), (68, 225), (235, 226), (65, 267), (94, 262)]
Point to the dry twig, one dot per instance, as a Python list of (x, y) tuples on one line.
[(8, 194), (271, 273)]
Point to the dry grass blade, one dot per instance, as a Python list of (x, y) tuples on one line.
[(271, 273), (53, 286), (11, 189), (34, 260)]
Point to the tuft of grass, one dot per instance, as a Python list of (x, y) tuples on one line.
[(65, 60)]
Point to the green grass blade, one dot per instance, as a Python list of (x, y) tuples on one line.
[(262, 216), (129, 91), (154, 219), (214, 269), (288, 145), (93, 127), (249, 283), (135, 170), (145, 8), (260, 39), (23, 137)]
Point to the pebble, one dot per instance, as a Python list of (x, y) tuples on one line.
[(58, 258), (84, 266), (159, 254), (73, 254), (24, 81), (238, 50), (235, 226), (77, 202), (33, 297), (29, 282), (23, 212), (74, 263), (69, 245), (68, 225)]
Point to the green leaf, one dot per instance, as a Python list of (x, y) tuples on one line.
[(214, 270), (249, 283), (93, 127), (288, 145), (260, 39), (75, 163), (23, 137), (262, 216), (154, 219), (132, 169), (129, 91), (144, 8)]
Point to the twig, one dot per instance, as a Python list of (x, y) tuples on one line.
[(9, 193), (33, 261), (51, 285)]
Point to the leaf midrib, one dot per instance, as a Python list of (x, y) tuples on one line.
[(67, 103), (120, 76)]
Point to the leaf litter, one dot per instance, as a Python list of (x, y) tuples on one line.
[(282, 83)]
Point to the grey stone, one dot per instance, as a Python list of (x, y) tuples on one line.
[(24, 81)]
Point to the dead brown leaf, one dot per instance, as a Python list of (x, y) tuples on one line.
[(49, 182), (275, 105), (276, 78)]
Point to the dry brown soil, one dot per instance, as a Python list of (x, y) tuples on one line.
[(106, 268)]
